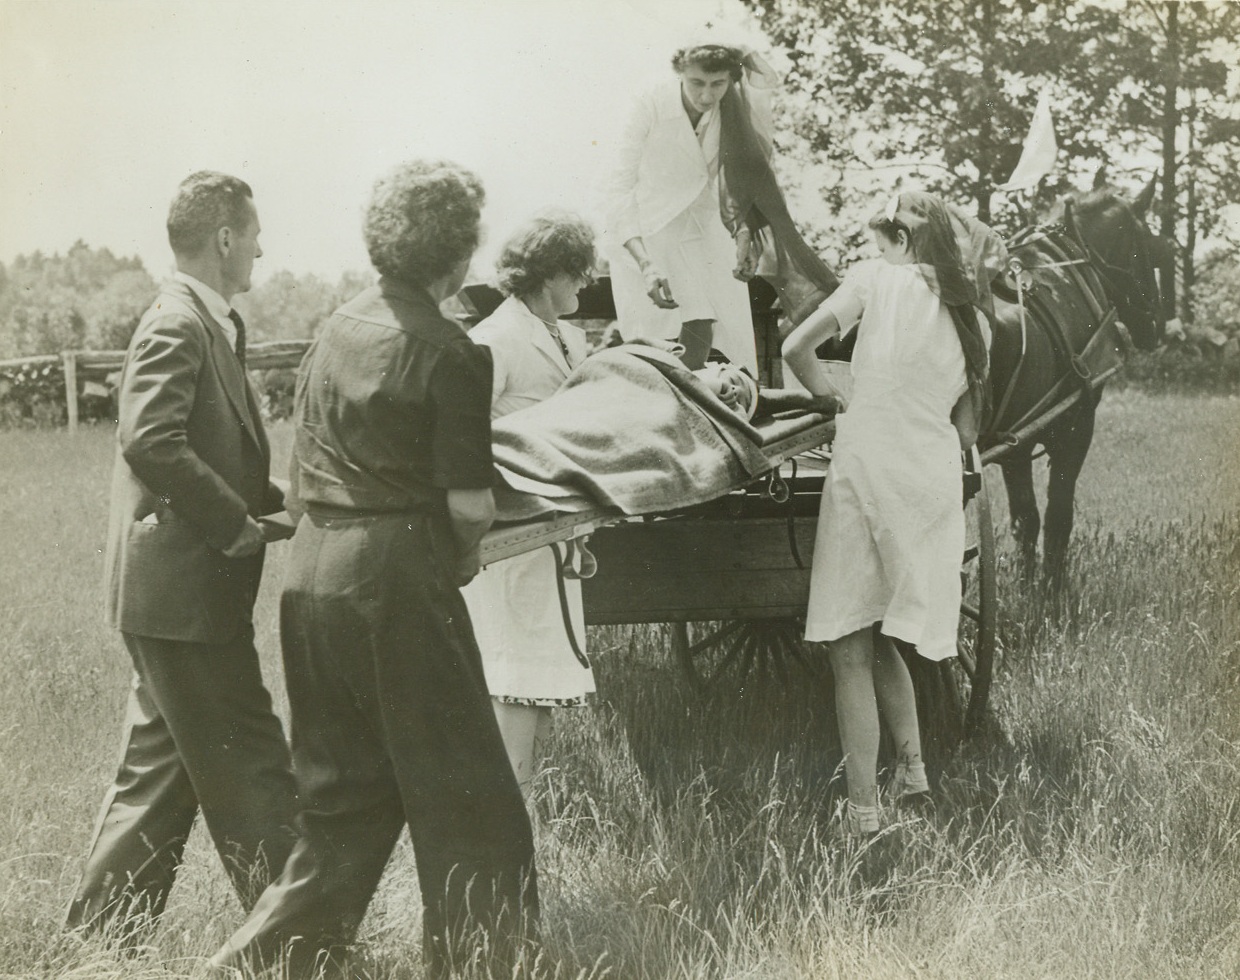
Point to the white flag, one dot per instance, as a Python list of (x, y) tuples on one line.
[(1037, 158)]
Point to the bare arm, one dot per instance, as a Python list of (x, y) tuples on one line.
[(471, 513), (800, 350)]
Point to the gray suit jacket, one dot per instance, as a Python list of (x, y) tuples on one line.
[(192, 462)]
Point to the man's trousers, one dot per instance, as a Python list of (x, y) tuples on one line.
[(199, 733)]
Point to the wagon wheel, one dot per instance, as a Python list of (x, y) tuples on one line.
[(979, 606), (743, 652)]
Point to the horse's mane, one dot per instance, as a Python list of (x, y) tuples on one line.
[(1107, 221)]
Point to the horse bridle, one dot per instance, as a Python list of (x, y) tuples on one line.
[(1121, 285)]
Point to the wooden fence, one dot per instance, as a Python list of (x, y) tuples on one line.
[(98, 364)]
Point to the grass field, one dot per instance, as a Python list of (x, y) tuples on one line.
[(1094, 833)]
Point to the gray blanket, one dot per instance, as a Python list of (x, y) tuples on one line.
[(632, 429)]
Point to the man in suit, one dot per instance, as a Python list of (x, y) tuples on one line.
[(184, 558)]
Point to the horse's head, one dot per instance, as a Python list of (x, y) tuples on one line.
[(1122, 248)]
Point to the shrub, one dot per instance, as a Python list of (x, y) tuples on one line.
[(1181, 369), (32, 396)]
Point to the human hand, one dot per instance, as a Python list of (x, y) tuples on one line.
[(278, 527), (748, 252), (658, 288), (467, 567), (247, 542)]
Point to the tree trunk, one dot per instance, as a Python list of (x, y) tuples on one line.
[(986, 158), (1189, 277), (1171, 119)]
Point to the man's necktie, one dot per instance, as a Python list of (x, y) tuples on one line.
[(240, 325)]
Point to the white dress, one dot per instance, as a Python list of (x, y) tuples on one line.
[(515, 604), (890, 534), (665, 189)]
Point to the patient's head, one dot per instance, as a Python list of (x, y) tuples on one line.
[(732, 385)]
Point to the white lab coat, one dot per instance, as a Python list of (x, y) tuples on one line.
[(514, 604), (664, 188)]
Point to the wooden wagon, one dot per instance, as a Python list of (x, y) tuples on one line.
[(732, 575)]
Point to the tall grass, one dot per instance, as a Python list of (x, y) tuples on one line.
[(1095, 832)]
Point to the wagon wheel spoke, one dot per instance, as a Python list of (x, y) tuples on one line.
[(797, 649), (777, 656), (747, 664), (739, 652), (717, 636), (734, 649)]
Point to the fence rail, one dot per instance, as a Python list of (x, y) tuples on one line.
[(84, 364)]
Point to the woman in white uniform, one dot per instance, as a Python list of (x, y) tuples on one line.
[(515, 604), (692, 203), (891, 528)]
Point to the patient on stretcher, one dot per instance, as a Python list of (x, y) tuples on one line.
[(635, 430)]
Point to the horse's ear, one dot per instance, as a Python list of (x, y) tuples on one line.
[(1146, 197)]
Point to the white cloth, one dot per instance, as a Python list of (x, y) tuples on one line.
[(515, 604), (890, 532), (664, 189), (216, 304)]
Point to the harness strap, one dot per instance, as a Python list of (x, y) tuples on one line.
[(790, 505), (1024, 342), (567, 617)]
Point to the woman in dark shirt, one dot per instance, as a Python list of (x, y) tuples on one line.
[(391, 718)]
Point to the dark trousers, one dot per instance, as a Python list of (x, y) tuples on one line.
[(392, 725), (199, 733)]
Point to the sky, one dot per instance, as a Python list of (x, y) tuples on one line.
[(105, 105)]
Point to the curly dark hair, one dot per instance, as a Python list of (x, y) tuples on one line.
[(552, 243), (710, 57), (423, 220), (205, 202)]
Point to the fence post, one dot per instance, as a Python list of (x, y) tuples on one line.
[(71, 402)]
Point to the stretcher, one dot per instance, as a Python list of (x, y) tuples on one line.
[(784, 437)]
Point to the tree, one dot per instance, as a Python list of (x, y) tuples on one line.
[(85, 298), (289, 307), (1168, 64), (943, 90)]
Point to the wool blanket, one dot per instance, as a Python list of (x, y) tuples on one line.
[(631, 429)]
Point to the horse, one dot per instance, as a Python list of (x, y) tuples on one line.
[(1082, 291)]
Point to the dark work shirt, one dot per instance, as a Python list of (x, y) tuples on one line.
[(393, 408)]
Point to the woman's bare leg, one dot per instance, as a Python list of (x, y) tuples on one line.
[(696, 337), (852, 662), (898, 705), (525, 729)]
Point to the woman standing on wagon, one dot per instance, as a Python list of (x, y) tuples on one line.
[(515, 605), (692, 203), (891, 528)]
